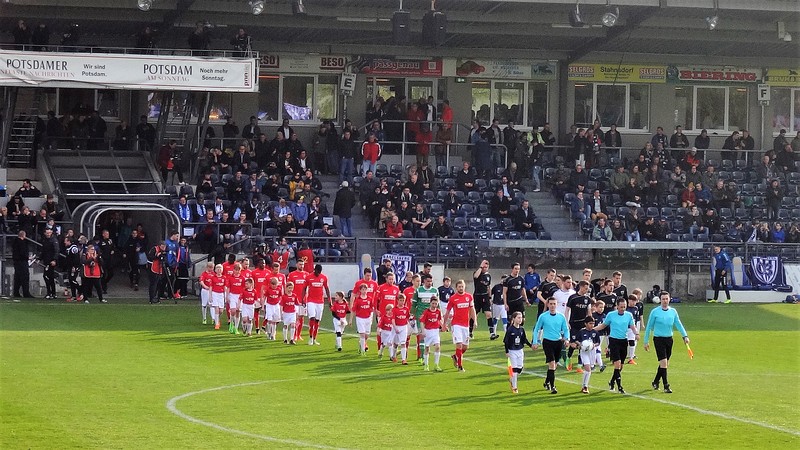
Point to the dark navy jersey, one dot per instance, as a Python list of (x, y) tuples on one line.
[(516, 288), (635, 313), (548, 288), (598, 319), (640, 308), (515, 338), (621, 291), (482, 283), (609, 299), (580, 306), (497, 294), (584, 334), (445, 293)]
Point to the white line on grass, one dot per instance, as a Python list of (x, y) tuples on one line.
[(643, 397), (171, 406)]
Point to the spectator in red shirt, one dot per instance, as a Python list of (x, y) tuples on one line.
[(394, 229)]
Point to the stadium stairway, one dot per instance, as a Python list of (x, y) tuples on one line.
[(554, 219)]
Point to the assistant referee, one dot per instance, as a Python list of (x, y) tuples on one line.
[(661, 322)]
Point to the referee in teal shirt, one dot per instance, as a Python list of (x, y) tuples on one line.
[(661, 322), (555, 333), (618, 322)]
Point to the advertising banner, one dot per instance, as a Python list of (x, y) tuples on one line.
[(111, 71), (783, 77), (403, 67), (617, 73), (718, 75), (504, 69), (301, 63)]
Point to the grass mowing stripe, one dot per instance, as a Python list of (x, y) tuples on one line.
[(666, 402)]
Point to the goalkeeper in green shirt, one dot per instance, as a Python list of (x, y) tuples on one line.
[(421, 302)]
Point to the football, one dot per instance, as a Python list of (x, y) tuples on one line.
[(587, 345)]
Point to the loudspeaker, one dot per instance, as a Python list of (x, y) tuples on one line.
[(434, 28), (401, 31)]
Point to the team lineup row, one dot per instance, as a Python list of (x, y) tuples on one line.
[(567, 320)]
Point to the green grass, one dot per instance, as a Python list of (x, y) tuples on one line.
[(100, 376)]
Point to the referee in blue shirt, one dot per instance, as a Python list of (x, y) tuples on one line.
[(660, 323), (618, 322), (555, 333)]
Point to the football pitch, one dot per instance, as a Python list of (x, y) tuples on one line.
[(126, 375)]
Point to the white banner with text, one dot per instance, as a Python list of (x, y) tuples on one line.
[(113, 71)]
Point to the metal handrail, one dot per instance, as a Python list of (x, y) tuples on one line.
[(236, 54)]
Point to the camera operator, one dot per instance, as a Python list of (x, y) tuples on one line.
[(200, 39), (146, 41), (92, 272), (241, 43)]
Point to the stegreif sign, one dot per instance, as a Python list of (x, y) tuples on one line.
[(117, 71)]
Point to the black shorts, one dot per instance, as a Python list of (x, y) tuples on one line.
[(663, 347), (516, 306), (575, 327), (482, 303), (618, 348), (552, 350)]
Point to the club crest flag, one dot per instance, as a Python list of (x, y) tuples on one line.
[(767, 270), (401, 264)]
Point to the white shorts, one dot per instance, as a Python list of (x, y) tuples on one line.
[(364, 326), (338, 325), (400, 334), (247, 311), (517, 358), (289, 318), (218, 299), (233, 301), (630, 335), (258, 304), (204, 297), (314, 310), (413, 328), (432, 337), (499, 311), (460, 334), (301, 310), (387, 337), (272, 313)]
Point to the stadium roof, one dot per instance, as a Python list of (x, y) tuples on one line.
[(647, 30)]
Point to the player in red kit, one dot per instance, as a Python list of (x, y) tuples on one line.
[(363, 307), (248, 299), (299, 278), (402, 317), (217, 282), (339, 311), (316, 297), (260, 281), (234, 286), (246, 270), (272, 307), (431, 321), (205, 293), (408, 293), (288, 309), (387, 293), (460, 310), (227, 270), (372, 288), (386, 330)]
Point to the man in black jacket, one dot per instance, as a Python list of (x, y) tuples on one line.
[(22, 275), (523, 218), (343, 207), (48, 257)]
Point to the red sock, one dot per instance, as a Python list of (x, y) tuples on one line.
[(228, 312), (379, 340), (298, 329), (255, 318), (459, 352)]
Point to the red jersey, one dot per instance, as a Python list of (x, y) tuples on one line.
[(273, 296), (385, 322), (227, 269), (247, 273), (260, 280), (281, 257), (401, 315), (306, 255), (288, 303), (432, 319), (362, 307), (372, 288), (340, 310), (281, 279), (248, 297), (460, 304), (218, 283), (316, 288), (235, 284), (300, 279), (409, 293), (206, 277), (386, 295)]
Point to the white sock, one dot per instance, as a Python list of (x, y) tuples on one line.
[(236, 321), (291, 332), (436, 356), (338, 342), (393, 351), (215, 316), (205, 313), (514, 380), (404, 352), (361, 343), (630, 352), (380, 351), (425, 358), (285, 332), (586, 374)]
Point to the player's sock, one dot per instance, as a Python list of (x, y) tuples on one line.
[(471, 325), (404, 353), (286, 333), (338, 340), (422, 349), (617, 377), (380, 341), (505, 323), (204, 312), (491, 322), (514, 379), (236, 321), (586, 375), (425, 358), (436, 357), (292, 331), (570, 353), (658, 375), (255, 317), (564, 355), (664, 376), (214, 316), (551, 377), (361, 343), (459, 354)]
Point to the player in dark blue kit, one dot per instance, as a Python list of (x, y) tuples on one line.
[(633, 308), (445, 292), (599, 316), (587, 341), (579, 306), (499, 311), (515, 342)]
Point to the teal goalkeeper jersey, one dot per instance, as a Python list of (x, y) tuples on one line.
[(661, 322), (422, 299), (619, 324)]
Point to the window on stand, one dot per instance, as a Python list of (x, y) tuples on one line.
[(220, 107), (785, 104), (508, 100), (537, 104), (107, 103), (684, 107), (626, 105), (480, 102), (583, 115), (327, 104), (268, 97), (720, 109), (298, 97)]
